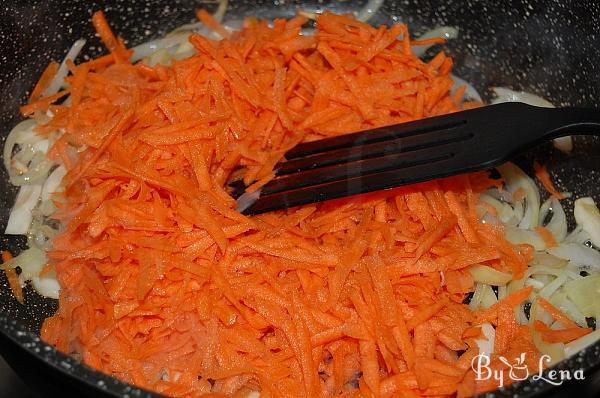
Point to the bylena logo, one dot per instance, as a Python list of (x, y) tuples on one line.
[(518, 370)]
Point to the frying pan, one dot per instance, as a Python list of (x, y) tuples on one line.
[(550, 48)]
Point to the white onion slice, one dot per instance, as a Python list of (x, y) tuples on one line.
[(577, 345), (489, 275), (504, 94), (558, 223), (588, 216), (46, 285), (564, 144), (486, 345), (20, 216), (63, 70), (22, 133), (169, 43), (561, 301), (52, 184), (220, 13), (476, 298), (578, 255), (584, 293), (515, 178), (488, 297), (369, 10), (247, 199), (578, 235), (524, 236), (553, 286)]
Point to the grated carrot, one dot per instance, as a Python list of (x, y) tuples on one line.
[(165, 285), (13, 278)]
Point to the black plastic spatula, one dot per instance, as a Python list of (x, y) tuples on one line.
[(407, 153)]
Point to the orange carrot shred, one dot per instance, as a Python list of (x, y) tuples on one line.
[(542, 174), (44, 80), (546, 236), (212, 23), (13, 279)]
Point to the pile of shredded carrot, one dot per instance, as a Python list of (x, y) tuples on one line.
[(166, 286)]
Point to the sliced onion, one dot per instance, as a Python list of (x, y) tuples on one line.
[(22, 133), (488, 297), (20, 216), (564, 144), (500, 194), (52, 184), (29, 165), (543, 260), (515, 178), (486, 344), (577, 345), (168, 43), (558, 223), (515, 285), (578, 235), (553, 286), (588, 216), (476, 298), (524, 236), (489, 275), (504, 94), (221, 10), (561, 301), (556, 352), (46, 285), (63, 70), (247, 199), (369, 10), (578, 255), (537, 284), (502, 292), (584, 293)]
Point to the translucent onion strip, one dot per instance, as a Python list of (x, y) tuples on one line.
[(581, 256), (25, 155), (489, 275), (577, 345), (588, 216), (515, 178), (369, 10), (20, 216), (558, 223), (486, 344), (59, 79), (52, 183)]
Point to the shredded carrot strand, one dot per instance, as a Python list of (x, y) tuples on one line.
[(44, 80), (546, 236), (542, 174), (12, 278)]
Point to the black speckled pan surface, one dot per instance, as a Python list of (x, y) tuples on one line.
[(551, 48)]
